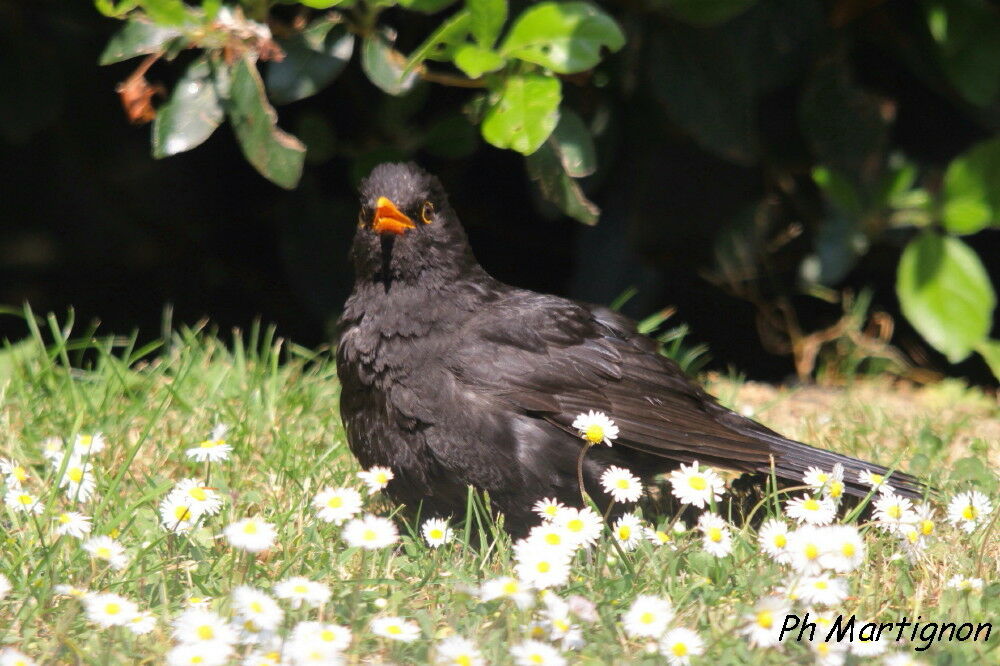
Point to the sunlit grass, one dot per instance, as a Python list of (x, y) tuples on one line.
[(280, 402)]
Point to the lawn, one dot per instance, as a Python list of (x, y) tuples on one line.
[(58, 389)]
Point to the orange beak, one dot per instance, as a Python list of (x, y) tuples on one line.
[(389, 219)]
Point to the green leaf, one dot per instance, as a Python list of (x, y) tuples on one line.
[(967, 33), (707, 12), (972, 189), (946, 294), (278, 156), (137, 37), (385, 66), (113, 9), (426, 6), (839, 189), (572, 142), (990, 351), (191, 115), (525, 113), (475, 61), (323, 4), (166, 12), (565, 37), (313, 58), (442, 42), (488, 17), (546, 169)]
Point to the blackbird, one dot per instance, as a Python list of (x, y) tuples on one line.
[(452, 378)]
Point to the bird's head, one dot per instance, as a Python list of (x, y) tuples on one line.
[(406, 228)]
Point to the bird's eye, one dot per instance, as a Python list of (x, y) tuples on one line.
[(427, 211)]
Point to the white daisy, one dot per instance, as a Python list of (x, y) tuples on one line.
[(648, 616), (336, 637), (959, 582), (457, 651), (396, 628), (926, 517), (548, 508), (213, 449), (198, 602), (197, 625), (78, 480), (72, 524), (585, 524), (71, 591), (553, 535), (596, 427), (88, 445), (658, 537), (106, 548), (336, 505), (968, 510), (874, 481), (628, 531), (265, 657), (844, 550), (536, 653), (200, 497), (436, 532), (299, 590), (680, 644), (763, 625), (142, 623), (310, 651), (812, 511), (816, 478), (541, 567), (202, 653), (861, 647), (376, 478), (178, 514), (805, 547), (15, 473), (892, 512), (902, 659), (5, 586), (507, 587), (696, 487), (773, 540), (20, 500), (717, 537), (255, 606), (109, 610), (11, 657), (370, 532), (621, 484), (833, 653), (822, 590), (251, 534)]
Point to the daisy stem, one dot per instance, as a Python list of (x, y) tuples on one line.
[(208, 472), (579, 471)]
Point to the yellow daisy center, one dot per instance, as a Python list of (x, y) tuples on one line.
[(182, 512), (926, 527), (463, 660), (300, 589), (510, 587), (624, 532), (714, 534), (765, 618), (394, 629), (574, 525), (780, 540), (836, 489), (199, 494), (64, 518), (543, 567), (820, 585), (369, 535), (436, 533), (212, 443), (970, 512), (335, 502), (647, 618), (256, 607), (848, 549), (679, 649), (197, 659), (75, 474), (594, 433), (876, 478), (380, 478), (698, 482), (894, 511), (103, 551), (810, 505), (205, 632), (20, 473), (112, 608), (551, 510), (25, 499), (811, 551), (623, 484), (86, 440), (327, 635), (250, 528)]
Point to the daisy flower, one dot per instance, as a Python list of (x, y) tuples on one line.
[(198, 602), (845, 549), (457, 651), (902, 659), (197, 625), (202, 653), (251, 534), (213, 449), (648, 616), (680, 644), (548, 508), (805, 547), (106, 548), (595, 427), (926, 519), (696, 487), (968, 510), (336, 505), (773, 540), (109, 610), (255, 606), (333, 636), (874, 481), (11, 657), (621, 484), (142, 623), (376, 478), (553, 535), (436, 532), (396, 628), (370, 532), (585, 524), (658, 537), (628, 531), (71, 591), (762, 626), (892, 512), (959, 582), (21, 501), (88, 445), (536, 653), (861, 647), (829, 654), (15, 472), (178, 514), (204, 500), (816, 478), (823, 590), (5, 586), (717, 538), (540, 566), (506, 587), (78, 480), (299, 590), (73, 524), (812, 511)]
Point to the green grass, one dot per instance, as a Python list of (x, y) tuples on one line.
[(280, 402)]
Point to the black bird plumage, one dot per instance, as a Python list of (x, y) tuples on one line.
[(452, 378)]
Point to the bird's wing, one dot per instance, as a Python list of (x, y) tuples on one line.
[(554, 359)]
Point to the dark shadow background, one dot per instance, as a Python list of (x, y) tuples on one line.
[(90, 220)]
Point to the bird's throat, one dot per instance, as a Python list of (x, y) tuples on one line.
[(387, 243)]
